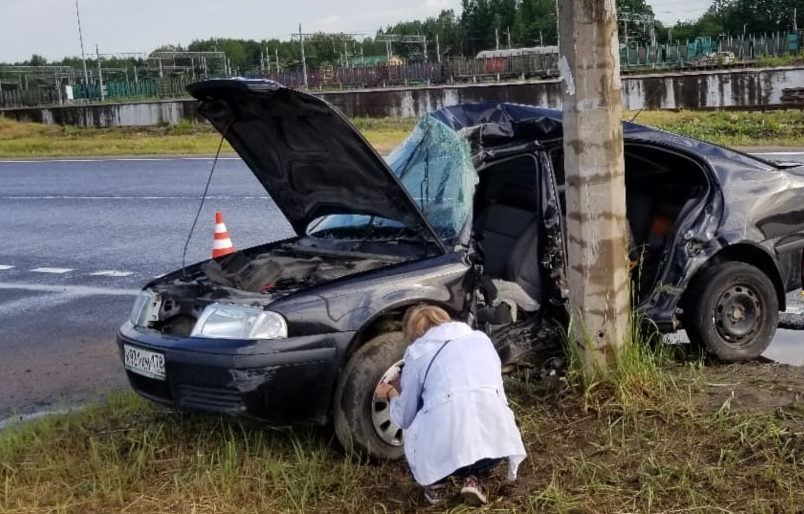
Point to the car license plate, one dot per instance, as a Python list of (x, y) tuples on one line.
[(144, 362)]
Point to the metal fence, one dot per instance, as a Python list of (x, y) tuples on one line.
[(703, 52), (41, 93)]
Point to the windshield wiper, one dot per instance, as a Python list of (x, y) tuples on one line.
[(369, 231)]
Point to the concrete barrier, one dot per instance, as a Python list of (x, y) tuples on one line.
[(715, 89)]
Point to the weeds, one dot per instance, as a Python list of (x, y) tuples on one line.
[(634, 380), (731, 128), (613, 448), (188, 138)]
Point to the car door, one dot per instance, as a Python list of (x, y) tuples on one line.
[(517, 226)]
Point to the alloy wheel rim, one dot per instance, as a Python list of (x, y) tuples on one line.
[(386, 429)]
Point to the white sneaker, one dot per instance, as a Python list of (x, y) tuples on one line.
[(435, 494), (472, 493)]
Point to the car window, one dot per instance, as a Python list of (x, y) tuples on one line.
[(353, 226), (435, 166)]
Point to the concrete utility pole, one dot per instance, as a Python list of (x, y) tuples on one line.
[(598, 275), (100, 75), (83, 57), (304, 61)]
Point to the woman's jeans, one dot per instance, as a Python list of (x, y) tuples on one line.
[(479, 469)]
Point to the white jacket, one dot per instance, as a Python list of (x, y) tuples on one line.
[(465, 416)]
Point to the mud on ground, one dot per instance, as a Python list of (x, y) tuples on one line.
[(722, 438)]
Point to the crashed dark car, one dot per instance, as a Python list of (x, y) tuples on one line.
[(467, 213)]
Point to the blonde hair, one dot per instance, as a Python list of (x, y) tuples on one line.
[(420, 319)]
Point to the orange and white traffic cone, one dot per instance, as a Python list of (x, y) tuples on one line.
[(222, 244)]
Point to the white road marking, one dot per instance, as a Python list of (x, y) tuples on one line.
[(111, 273), (52, 296), (58, 271), (778, 153), (70, 290), (795, 309), (52, 270)]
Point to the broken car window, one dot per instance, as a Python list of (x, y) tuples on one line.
[(435, 166)]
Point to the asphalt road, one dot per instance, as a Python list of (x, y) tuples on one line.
[(77, 241), (80, 237)]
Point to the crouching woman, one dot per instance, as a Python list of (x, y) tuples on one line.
[(451, 403)]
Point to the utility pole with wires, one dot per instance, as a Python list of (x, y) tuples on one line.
[(303, 60), (398, 38), (100, 75), (81, 40), (597, 268), (301, 35)]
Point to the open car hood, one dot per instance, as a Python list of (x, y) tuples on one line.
[(311, 160)]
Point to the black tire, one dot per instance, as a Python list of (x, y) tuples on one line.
[(355, 407), (731, 311)]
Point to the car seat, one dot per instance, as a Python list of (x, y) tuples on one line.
[(500, 225), (510, 228)]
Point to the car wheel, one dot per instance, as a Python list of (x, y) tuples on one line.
[(731, 312), (362, 423)]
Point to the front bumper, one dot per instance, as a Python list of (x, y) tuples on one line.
[(281, 382)]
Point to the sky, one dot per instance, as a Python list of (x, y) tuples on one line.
[(50, 27)]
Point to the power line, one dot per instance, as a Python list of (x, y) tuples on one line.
[(314, 35)]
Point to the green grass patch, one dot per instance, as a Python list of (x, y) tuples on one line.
[(731, 128), (688, 446), (31, 140)]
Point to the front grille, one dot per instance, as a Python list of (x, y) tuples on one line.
[(150, 387), (209, 399)]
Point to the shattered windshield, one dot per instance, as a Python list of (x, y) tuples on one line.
[(435, 166)]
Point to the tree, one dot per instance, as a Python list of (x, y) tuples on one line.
[(475, 21), (537, 23), (757, 16), (634, 7), (37, 60), (707, 25)]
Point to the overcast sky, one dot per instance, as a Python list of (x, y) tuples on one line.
[(49, 27)]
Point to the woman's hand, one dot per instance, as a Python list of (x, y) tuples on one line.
[(385, 391)]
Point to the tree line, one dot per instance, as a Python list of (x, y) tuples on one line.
[(481, 25)]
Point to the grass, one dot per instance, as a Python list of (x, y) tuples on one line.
[(652, 435), (770, 61), (37, 140), (652, 447), (731, 128), (129, 456), (30, 140)]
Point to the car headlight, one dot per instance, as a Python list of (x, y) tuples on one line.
[(226, 321), (146, 309)]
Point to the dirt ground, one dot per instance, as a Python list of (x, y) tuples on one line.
[(692, 456), (751, 387)]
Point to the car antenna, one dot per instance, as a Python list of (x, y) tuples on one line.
[(424, 187), (635, 115), (203, 197)]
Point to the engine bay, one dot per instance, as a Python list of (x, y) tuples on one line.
[(243, 278)]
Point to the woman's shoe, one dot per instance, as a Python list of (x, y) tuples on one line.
[(435, 493), (471, 492)]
